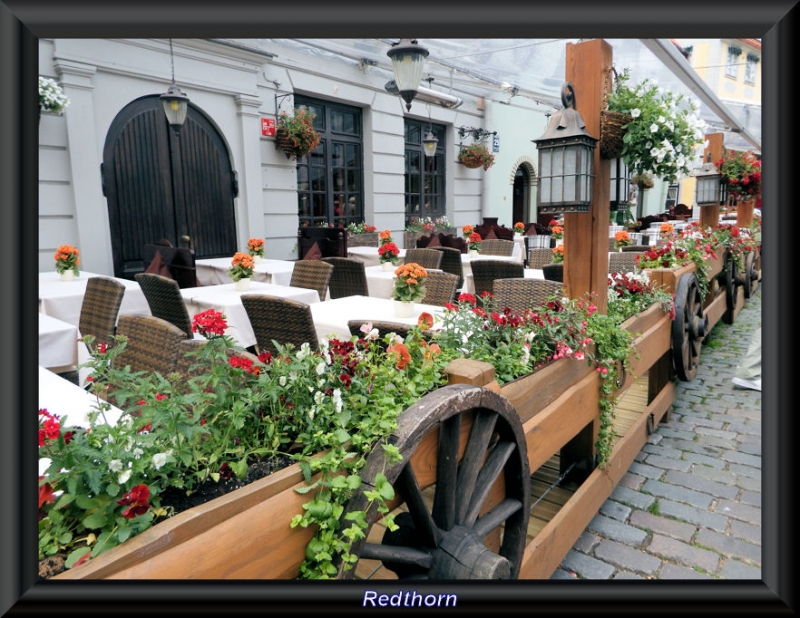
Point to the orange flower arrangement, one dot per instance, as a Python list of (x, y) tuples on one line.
[(66, 257), (557, 232), (467, 231), (385, 236), (410, 283), (519, 227), (474, 241), (558, 254), (256, 247), (241, 266), (622, 239)]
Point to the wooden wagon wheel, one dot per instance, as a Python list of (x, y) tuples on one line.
[(750, 275), (688, 328), (731, 284), (466, 446)]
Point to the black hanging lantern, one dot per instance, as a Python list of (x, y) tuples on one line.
[(708, 188), (620, 194), (175, 102), (566, 160), (408, 60)]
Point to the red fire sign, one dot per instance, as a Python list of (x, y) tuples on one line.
[(268, 127)]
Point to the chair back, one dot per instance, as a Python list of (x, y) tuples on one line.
[(522, 294), (348, 277), (451, 263), (100, 309), (153, 344), (539, 256), (636, 248), (440, 288), (623, 262), (179, 262), (497, 246), (312, 275), (427, 258), (554, 272), (484, 272), (163, 295), (282, 320)]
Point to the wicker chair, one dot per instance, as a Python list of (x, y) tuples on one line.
[(636, 248), (484, 272), (165, 300), (539, 256), (623, 262), (100, 309), (521, 294), (427, 258), (153, 343), (554, 272), (312, 275), (348, 277), (451, 263), (497, 246), (281, 320), (440, 288)]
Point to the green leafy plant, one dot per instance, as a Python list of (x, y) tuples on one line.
[(665, 130), (360, 228)]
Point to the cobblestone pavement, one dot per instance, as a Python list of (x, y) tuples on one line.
[(689, 507)]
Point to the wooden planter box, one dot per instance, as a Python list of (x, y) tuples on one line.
[(369, 239), (246, 534)]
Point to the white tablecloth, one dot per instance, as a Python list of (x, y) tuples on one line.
[(214, 271), (226, 299), (58, 342), (331, 317), (63, 299), (369, 255), (380, 282), (520, 251), (528, 273)]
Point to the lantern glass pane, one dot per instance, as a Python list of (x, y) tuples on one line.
[(408, 67)]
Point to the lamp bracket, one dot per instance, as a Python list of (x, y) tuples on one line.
[(476, 132), (278, 99)]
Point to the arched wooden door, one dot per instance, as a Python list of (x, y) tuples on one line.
[(162, 185), (522, 183)]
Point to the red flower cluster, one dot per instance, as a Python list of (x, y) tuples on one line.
[(741, 171), (209, 323), (49, 428), (388, 252), (136, 500)]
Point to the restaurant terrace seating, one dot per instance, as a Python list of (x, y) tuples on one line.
[(521, 294), (312, 275), (484, 273), (440, 288), (497, 246), (165, 300), (153, 344), (282, 320), (539, 256), (348, 277), (100, 309), (451, 263), (427, 258)]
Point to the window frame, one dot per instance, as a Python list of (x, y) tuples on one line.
[(424, 186)]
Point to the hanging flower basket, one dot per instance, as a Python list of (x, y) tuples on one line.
[(295, 134), (612, 133), (475, 156)]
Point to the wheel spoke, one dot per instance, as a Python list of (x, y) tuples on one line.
[(397, 554), (444, 497), (479, 438), (484, 525), (495, 464), (412, 494)]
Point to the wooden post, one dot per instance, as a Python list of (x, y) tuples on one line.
[(709, 215), (586, 234)]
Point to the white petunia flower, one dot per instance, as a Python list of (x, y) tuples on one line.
[(159, 459), (115, 465), (124, 476)]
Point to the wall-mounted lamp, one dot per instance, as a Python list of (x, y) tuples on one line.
[(620, 194), (429, 142), (708, 188), (408, 59), (566, 160), (175, 102)]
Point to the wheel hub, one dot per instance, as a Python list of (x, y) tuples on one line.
[(462, 555)]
